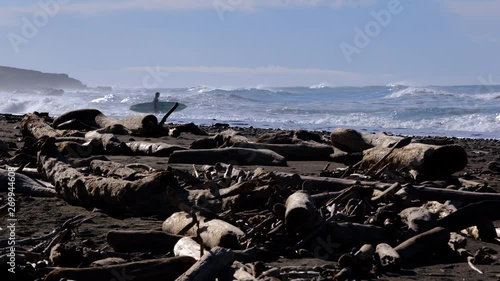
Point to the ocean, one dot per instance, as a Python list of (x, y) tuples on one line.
[(460, 111)]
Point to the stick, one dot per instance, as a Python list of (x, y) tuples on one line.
[(401, 143), (164, 119)]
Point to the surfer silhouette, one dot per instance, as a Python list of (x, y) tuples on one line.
[(155, 102)]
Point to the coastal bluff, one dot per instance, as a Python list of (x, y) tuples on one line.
[(12, 79)]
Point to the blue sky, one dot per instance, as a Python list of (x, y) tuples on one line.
[(243, 43)]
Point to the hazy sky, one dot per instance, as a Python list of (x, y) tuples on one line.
[(242, 43)]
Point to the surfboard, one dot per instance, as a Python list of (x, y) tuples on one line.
[(163, 106)]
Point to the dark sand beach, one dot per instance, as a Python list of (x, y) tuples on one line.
[(39, 216)]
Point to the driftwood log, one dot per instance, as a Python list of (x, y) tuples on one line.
[(440, 194), (35, 126), (430, 161), (110, 143), (127, 241), (238, 156), (113, 169), (142, 125), (158, 149), (418, 219), (147, 196), (474, 214), (146, 270), (210, 266), (305, 151), (213, 232), (388, 258), (186, 246), (350, 140), (424, 243), (299, 212), (25, 185)]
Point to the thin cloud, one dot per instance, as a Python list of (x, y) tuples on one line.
[(475, 9), (245, 70), (98, 7)]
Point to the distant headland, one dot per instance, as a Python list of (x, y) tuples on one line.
[(14, 79)]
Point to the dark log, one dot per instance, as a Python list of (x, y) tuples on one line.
[(115, 129), (143, 125), (358, 234), (210, 266), (236, 156), (430, 161), (299, 214), (147, 196), (128, 241), (306, 151), (223, 139), (24, 185), (146, 270), (187, 128), (170, 111), (441, 194), (158, 149), (323, 183), (470, 215), (213, 232), (350, 140), (424, 243)]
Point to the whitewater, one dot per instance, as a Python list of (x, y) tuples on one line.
[(460, 111)]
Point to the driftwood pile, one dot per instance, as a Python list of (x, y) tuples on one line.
[(375, 216)]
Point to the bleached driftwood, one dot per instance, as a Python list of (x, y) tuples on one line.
[(113, 169), (110, 143), (158, 149), (34, 125), (430, 161), (25, 185), (299, 212), (146, 196), (305, 151), (186, 246), (238, 156), (213, 232), (388, 258), (417, 219)]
